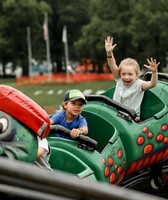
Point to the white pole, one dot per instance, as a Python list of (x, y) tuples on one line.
[(65, 41), (29, 51), (47, 39)]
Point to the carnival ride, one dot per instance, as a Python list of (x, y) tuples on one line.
[(119, 149)]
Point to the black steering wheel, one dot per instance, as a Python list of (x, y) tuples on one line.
[(112, 103), (89, 142)]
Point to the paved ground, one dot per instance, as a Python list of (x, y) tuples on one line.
[(146, 188)]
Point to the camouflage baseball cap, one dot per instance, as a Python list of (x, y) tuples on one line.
[(73, 95)]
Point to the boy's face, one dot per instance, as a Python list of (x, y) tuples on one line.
[(74, 107), (128, 75)]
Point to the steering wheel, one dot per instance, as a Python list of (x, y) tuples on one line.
[(112, 103), (89, 142)]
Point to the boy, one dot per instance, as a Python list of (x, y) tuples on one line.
[(71, 117)]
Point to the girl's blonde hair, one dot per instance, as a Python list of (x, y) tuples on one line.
[(132, 62)]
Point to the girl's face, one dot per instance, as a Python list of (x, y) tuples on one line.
[(128, 75), (74, 108)]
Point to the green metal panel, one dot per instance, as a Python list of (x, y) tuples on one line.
[(17, 141), (100, 128), (153, 118)]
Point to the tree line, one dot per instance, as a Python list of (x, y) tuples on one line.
[(139, 28)]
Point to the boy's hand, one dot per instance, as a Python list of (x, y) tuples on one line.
[(75, 133), (153, 65), (109, 44)]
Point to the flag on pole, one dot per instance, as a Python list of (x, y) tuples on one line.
[(64, 34), (47, 39), (65, 41), (45, 28)]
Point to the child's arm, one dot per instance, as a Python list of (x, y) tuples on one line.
[(110, 57), (41, 151), (75, 132), (153, 66), (51, 122), (84, 130)]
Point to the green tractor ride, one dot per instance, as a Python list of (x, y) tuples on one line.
[(118, 150)]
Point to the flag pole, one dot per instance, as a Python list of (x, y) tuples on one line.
[(47, 39), (29, 52), (65, 41)]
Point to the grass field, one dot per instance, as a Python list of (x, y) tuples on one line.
[(50, 96)]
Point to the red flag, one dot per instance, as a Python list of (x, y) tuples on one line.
[(45, 28)]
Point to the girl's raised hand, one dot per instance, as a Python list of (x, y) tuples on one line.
[(153, 65), (109, 44)]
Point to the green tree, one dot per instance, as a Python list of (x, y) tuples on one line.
[(15, 17), (73, 14), (108, 17), (139, 28), (149, 29)]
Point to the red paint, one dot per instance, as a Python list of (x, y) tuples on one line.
[(140, 140), (107, 171), (112, 177), (120, 153), (110, 161), (160, 138), (150, 135), (139, 165), (145, 129), (153, 158), (166, 140), (164, 127), (132, 168), (119, 169), (165, 154), (146, 161), (148, 149), (159, 157)]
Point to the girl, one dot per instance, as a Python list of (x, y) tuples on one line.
[(129, 88)]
